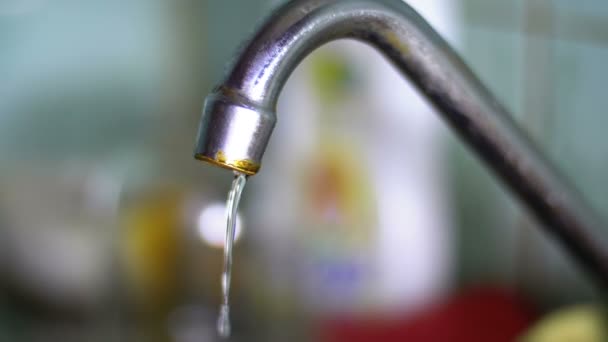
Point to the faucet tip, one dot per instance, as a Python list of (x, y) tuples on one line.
[(245, 166), (233, 134)]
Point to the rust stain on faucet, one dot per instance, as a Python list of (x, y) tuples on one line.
[(245, 166)]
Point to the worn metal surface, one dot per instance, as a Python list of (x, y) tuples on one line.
[(239, 116)]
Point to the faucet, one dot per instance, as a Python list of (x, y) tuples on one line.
[(239, 115)]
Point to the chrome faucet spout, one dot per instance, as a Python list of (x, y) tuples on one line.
[(239, 115)]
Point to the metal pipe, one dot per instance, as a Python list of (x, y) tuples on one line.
[(239, 115)]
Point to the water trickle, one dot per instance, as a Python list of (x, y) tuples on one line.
[(223, 321), (232, 205)]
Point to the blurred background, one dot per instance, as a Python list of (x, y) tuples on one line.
[(111, 231)]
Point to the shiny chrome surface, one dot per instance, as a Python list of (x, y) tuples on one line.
[(239, 116), (233, 134)]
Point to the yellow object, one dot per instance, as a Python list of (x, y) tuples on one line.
[(578, 324), (152, 226)]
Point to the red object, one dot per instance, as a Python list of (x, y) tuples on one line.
[(484, 315)]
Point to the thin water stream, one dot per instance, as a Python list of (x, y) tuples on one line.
[(232, 205)]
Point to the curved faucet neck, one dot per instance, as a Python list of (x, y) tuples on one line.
[(266, 61), (238, 119)]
